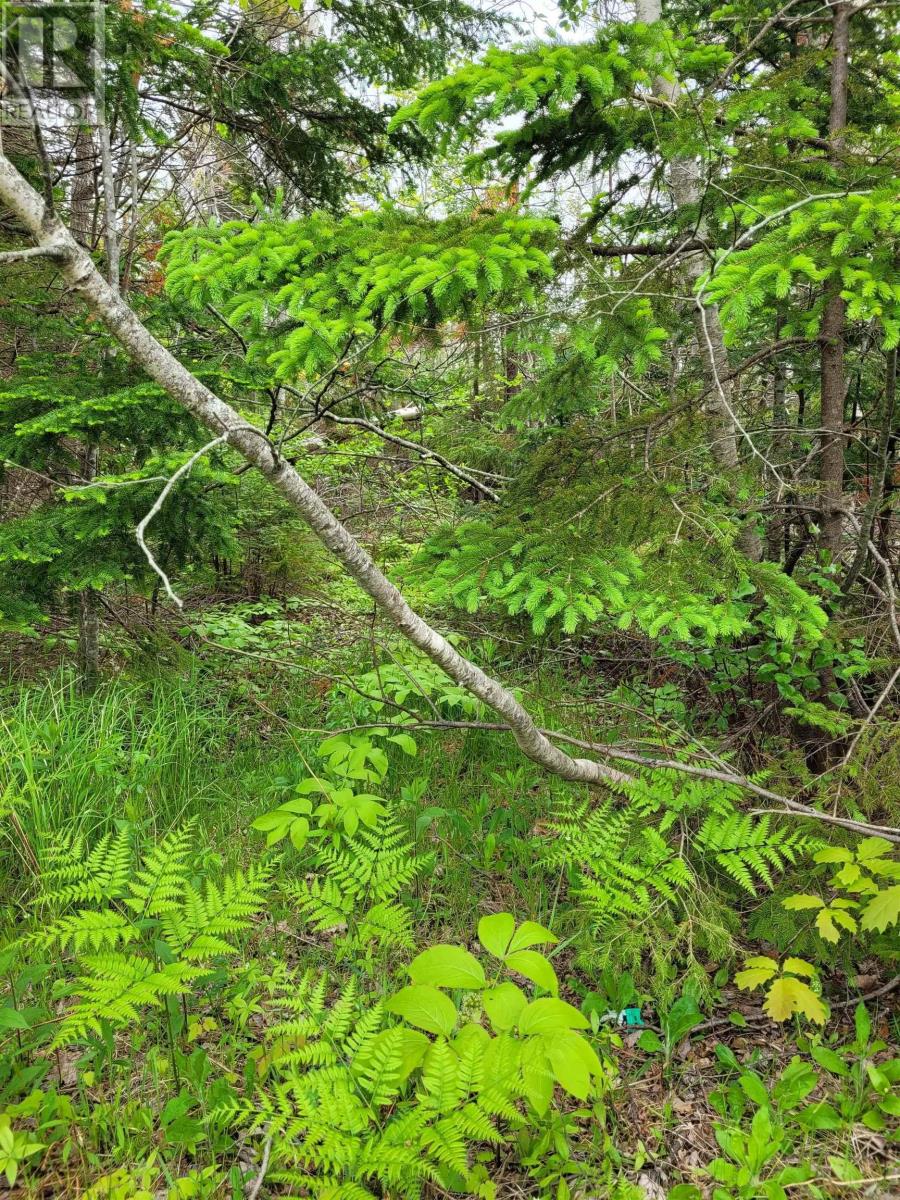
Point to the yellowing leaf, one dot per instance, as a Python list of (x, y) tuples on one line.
[(826, 927), (788, 996), (753, 978), (799, 966), (803, 901)]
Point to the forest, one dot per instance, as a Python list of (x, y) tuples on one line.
[(449, 621)]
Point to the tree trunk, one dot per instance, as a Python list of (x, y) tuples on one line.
[(776, 532), (83, 204), (880, 474), (831, 334), (83, 211)]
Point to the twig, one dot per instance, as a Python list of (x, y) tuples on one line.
[(263, 1167), (184, 469)]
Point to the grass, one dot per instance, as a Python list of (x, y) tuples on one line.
[(211, 742)]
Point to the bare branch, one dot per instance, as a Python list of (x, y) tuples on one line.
[(9, 258), (641, 249), (423, 451)]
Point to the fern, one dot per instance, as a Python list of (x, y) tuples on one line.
[(749, 849), (200, 926), (623, 867), (159, 883), (356, 891), (355, 1106), (71, 875), (142, 914), (116, 988)]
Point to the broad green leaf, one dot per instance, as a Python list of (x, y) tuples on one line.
[(754, 1088), (533, 965), (530, 933), (873, 847), (425, 1007), (549, 1015), (803, 901), (797, 1080), (503, 1005), (833, 854), (650, 1042), (405, 742), (681, 1019), (447, 966), (495, 933), (843, 1169), (830, 1060), (820, 1115), (537, 1074), (570, 1069), (11, 1018)]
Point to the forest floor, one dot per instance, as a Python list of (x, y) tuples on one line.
[(210, 736)]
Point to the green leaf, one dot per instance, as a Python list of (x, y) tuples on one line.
[(447, 966), (863, 1023), (803, 901), (820, 1115), (650, 1042), (405, 742), (549, 1015), (843, 1169), (571, 1067), (873, 847), (681, 1019), (534, 966), (495, 933), (537, 1074), (754, 1088), (833, 854), (11, 1018), (530, 933), (425, 1007), (830, 1060), (882, 910), (503, 1005)]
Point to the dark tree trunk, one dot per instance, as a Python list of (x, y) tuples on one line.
[(832, 385)]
